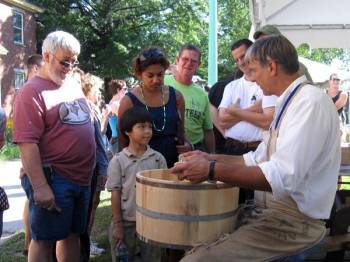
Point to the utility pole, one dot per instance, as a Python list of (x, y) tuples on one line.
[(213, 43)]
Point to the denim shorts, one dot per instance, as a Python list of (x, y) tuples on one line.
[(72, 198)]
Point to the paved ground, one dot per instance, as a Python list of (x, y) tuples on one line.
[(9, 180)]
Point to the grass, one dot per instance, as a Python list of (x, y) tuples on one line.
[(100, 229), (9, 150), (11, 250), (347, 180)]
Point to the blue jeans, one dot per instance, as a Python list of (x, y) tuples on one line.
[(72, 198)]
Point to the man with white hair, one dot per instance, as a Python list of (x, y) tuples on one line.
[(55, 134)]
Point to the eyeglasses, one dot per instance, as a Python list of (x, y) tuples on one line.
[(66, 63), (189, 60), (151, 53)]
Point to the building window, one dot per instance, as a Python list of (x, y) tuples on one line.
[(17, 19), (19, 78)]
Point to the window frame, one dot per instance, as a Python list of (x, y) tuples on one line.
[(19, 72), (16, 12)]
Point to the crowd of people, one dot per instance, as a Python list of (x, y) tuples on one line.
[(266, 129)]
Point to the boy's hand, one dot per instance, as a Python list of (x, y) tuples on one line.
[(118, 232)]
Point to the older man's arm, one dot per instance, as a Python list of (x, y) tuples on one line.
[(31, 162)]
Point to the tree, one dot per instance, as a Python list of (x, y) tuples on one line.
[(234, 25), (323, 55), (113, 32)]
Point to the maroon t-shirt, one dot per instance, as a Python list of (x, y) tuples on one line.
[(58, 119)]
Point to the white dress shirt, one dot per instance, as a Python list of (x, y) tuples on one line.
[(306, 162), (248, 92)]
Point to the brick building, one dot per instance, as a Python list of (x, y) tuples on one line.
[(17, 42)]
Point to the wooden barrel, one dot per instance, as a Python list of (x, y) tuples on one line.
[(179, 214)]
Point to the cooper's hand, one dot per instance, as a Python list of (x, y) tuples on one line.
[(101, 181), (117, 232), (185, 156), (195, 168), (43, 197)]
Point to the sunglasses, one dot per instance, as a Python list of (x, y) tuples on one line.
[(151, 53), (335, 79), (66, 63)]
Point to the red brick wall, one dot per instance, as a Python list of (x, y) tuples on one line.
[(17, 54)]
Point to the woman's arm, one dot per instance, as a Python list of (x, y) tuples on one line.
[(180, 105), (341, 101), (106, 113)]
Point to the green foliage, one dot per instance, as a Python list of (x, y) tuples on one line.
[(9, 150), (113, 32), (234, 25), (323, 55)]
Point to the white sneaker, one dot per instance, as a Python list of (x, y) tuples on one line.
[(94, 249)]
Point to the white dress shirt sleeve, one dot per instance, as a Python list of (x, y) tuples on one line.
[(298, 145), (253, 158)]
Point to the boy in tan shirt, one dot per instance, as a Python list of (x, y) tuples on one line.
[(136, 125)]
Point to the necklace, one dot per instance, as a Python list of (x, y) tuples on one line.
[(164, 113)]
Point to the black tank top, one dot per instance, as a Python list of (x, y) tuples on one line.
[(335, 99), (163, 141)]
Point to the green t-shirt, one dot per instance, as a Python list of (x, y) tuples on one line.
[(197, 116)]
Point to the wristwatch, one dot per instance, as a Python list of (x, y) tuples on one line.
[(211, 175)]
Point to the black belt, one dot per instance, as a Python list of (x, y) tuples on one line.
[(243, 145)]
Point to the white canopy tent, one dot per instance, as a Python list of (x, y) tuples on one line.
[(321, 72), (319, 23)]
